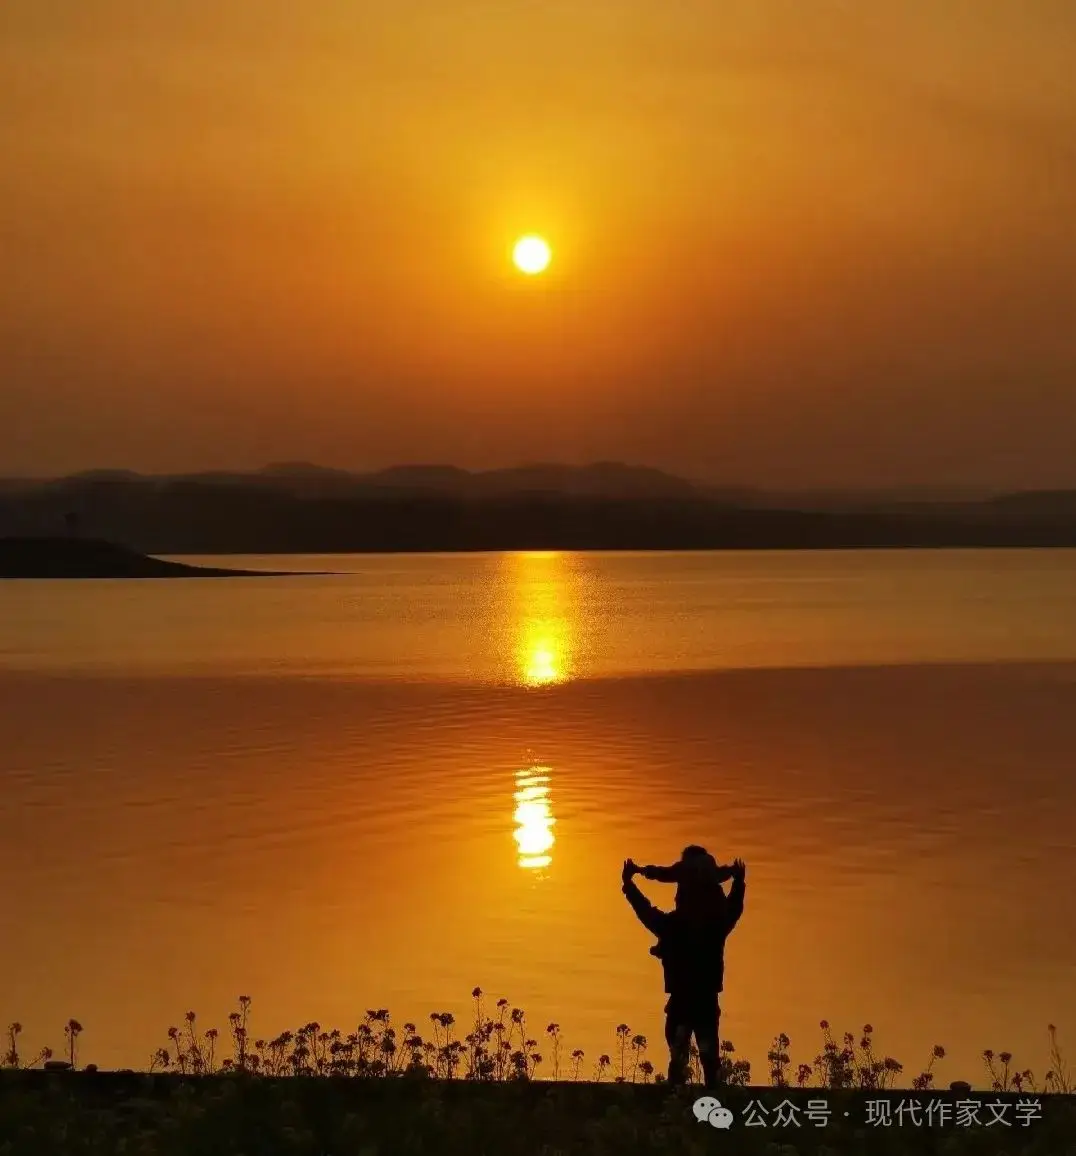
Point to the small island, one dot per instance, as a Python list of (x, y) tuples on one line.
[(95, 558)]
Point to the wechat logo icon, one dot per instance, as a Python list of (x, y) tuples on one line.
[(708, 1110)]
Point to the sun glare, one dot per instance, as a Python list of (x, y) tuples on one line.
[(531, 255)]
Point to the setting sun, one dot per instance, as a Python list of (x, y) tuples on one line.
[(531, 255)]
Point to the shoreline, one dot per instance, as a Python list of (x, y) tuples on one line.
[(121, 1079), (1008, 546)]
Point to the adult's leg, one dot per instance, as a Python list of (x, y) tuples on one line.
[(705, 1023), (678, 1037)]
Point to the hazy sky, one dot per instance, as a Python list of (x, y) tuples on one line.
[(796, 242)]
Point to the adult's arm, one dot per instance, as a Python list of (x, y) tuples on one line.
[(651, 917), (737, 893)]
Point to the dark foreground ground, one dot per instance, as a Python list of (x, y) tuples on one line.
[(48, 1114)]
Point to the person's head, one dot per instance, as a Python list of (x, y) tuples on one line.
[(697, 865), (693, 851), (699, 891)]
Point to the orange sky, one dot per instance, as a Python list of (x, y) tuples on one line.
[(796, 243)]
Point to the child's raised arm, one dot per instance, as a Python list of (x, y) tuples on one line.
[(679, 870)]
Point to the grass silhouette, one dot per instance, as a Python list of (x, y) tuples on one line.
[(497, 1046)]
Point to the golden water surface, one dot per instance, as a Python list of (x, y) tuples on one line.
[(387, 785)]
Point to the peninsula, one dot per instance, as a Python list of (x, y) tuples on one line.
[(93, 558)]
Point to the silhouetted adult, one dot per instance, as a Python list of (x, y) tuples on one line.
[(691, 947)]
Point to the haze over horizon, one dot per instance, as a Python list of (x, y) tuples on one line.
[(794, 246)]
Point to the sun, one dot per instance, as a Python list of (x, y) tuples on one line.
[(531, 255)]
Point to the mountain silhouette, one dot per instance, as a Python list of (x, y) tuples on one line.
[(291, 507)]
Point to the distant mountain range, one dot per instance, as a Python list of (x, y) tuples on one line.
[(600, 479), (298, 507)]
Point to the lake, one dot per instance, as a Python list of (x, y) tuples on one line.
[(383, 786)]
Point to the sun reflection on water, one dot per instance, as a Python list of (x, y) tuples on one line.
[(542, 655), (534, 818), (542, 618), (543, 627)]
